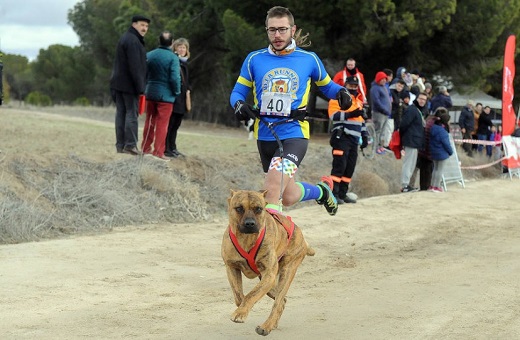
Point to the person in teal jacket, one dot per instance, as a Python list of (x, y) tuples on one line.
[(163, 85)]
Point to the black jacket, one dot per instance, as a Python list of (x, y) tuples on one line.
[(467, 119), (411, 128), (484, 124), (129, 73), (180, 103)]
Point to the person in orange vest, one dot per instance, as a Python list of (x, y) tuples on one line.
[(348, 132), (351, 69)]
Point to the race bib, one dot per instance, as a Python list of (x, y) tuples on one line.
[(276, 104)]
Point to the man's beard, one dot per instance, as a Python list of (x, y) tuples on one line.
[(287, 43)]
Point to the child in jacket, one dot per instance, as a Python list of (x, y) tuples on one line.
[(440, 147)]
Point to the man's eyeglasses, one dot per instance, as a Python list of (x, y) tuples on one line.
[(272, 30)]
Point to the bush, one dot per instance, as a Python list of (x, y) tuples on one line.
[(82, 101), (39, 99)]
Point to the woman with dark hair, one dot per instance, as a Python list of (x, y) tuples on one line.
[(440, 147)]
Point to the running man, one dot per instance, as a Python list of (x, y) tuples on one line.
[(281, 76)]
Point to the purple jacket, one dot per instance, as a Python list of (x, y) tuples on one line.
[(380, 99)]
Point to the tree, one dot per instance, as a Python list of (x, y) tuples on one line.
[(59, 67), (17, 75)]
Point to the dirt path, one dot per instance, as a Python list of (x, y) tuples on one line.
[(408, 266)]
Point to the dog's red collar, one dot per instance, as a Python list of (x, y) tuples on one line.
[(251, 255)]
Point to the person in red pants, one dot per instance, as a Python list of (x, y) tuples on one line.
[(163, 85)]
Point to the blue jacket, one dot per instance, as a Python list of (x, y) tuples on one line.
[(163, 76), (439, 100), (380, 99), (440, 147), (467, 119)]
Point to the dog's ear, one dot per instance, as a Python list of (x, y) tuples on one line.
[(231, 194), (263, 192)]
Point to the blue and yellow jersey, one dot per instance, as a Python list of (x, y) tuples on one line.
[(286, 78)]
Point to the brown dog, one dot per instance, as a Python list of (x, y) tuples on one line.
[(260, 244)]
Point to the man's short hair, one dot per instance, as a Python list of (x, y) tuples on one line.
[(166, 39), (388, 72), (279, 12)]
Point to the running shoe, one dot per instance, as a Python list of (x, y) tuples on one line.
[(327, 198)]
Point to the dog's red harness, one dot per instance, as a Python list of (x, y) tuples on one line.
[(251, 255)]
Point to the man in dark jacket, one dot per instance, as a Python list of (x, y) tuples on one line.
[(441, 99), (467, 124), (484, 129), (412, 138), (162, 88), (128, 82)]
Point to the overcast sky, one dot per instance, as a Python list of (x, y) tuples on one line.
[(26, 26)]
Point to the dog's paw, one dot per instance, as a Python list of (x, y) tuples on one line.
[(239, 316), (262, 331)]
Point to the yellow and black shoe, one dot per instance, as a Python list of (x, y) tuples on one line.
[(327, 198)]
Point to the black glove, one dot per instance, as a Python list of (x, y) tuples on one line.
[(365, 113), (364, 142), (344, 99), (244, 111), (356, 113)]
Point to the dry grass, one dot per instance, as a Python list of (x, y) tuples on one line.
[(61, 176)]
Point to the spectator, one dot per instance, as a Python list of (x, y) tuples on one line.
[(389, 77), (404, 75), (404, 96), (399, 74), (441, 99), (440, 147), (467, 124), (351, 69), (414, 91), (497, 138), (412, 139), (477, 110), (429, 93), (397, 103), (484, 130), (428, 90), (424, 163), (128, 82), (381, 111), (346, 134), (181, 47), (162, 88), (418, 81)]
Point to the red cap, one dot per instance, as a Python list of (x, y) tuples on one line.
[(380, 76)]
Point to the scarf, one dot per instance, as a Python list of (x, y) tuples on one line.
[(289, 49)]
